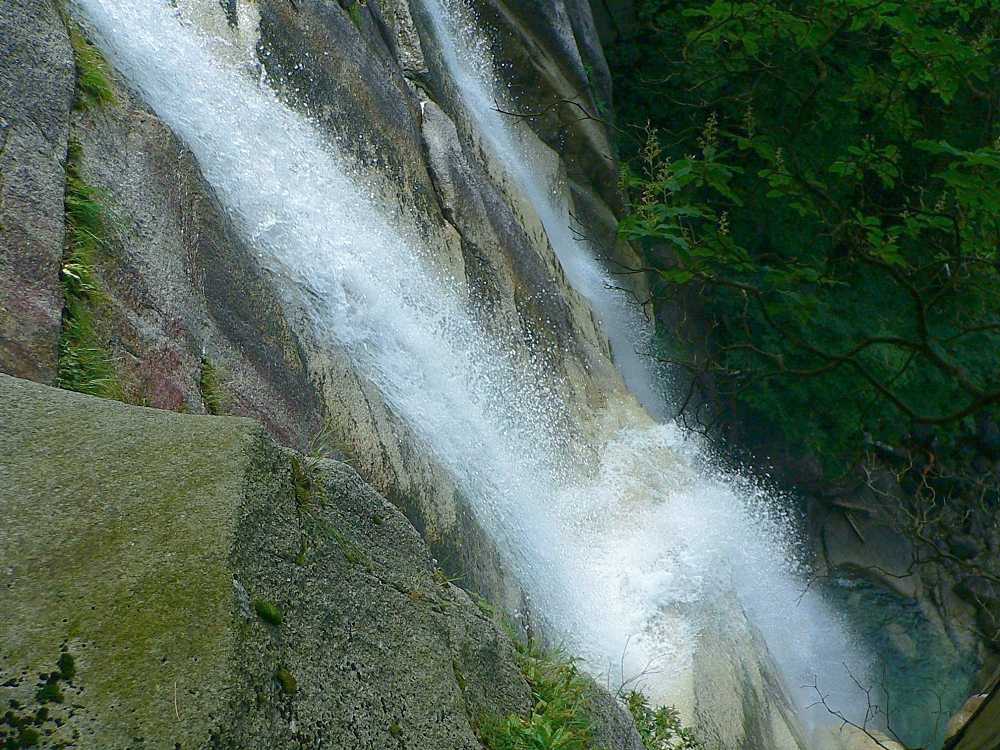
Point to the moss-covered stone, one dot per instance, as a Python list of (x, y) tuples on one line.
[(132, 540), (116, 537)]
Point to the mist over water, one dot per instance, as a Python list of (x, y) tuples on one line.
[(625, 558)]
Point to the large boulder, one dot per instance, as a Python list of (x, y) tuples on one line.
[(338, 65), (181, 581), (36, 95)]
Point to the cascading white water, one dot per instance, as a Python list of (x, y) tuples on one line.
[(630, 557), (466, 59), (760, 553)]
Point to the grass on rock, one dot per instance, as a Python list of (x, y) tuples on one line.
[(85, 365), (93, 83)]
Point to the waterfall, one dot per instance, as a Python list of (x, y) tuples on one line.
[(466, 60), (627, 563), (812, 643)]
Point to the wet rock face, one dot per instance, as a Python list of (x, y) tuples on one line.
[(353, 67), (509, 280), (181, 286), (359, 69), (734, 691), (553, 60), (336, 63), (36, 94), (178, 285)]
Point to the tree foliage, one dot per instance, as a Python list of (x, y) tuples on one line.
[(823, 176)]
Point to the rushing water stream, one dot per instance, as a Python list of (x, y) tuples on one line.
[(632, 557)]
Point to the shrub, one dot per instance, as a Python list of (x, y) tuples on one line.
[(821, 179), (660, 728), (559, 719), (67, 665), (49, 692)]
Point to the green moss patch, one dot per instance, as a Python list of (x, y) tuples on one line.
[(267, 611), (354, 13), (286, 679), (38, 718)]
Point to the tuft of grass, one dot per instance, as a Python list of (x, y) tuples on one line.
[(93, 83), (484, 606), (85, 365), (559, 719), (354, 12), (208, 385), (302, 483), (352, 553), (67, 666), (659, 728), (267, 611), (286, 679)]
